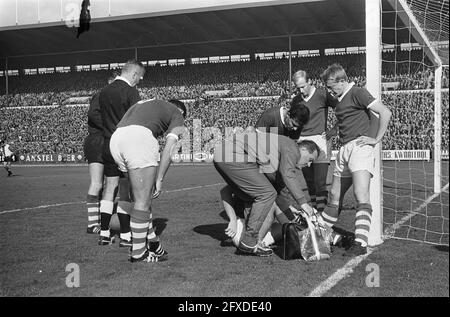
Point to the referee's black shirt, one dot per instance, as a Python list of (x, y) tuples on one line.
[(115, 99)]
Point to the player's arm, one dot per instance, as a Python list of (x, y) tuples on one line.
[(226, 194), (166, 159), (331, 102), (292, 179), (384, 115), (176, 129)]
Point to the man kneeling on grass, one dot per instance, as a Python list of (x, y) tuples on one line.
[(247, 162)]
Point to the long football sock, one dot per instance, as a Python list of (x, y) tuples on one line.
[(321, 201), (93, 210), (123, 212), (151, 235), (106, 210), (362, 223), (140, 220)]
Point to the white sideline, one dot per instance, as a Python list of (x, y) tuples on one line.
[(83, 202), (348, 268)]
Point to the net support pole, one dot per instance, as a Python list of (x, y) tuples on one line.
[(290, 66), (373, 79), (437, 128), (6, 81)]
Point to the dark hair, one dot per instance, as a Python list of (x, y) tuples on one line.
[(299, 111), (180, 105), (336, 71), (309, 145)]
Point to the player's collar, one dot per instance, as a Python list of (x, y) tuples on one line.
[(313, 90), (350, 85), (124, 79)]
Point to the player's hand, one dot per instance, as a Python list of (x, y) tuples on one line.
[(365, 140), (231, 229), (308, 209), (158, 189)]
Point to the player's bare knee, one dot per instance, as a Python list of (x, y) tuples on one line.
[(362, 196)]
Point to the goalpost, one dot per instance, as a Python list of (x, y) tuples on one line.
[(407, 46)]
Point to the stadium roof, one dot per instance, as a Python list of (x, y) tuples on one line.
[(231, 31)]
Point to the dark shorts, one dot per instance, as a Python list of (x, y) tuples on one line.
[(8, 159), (93, 148), (111, 169)]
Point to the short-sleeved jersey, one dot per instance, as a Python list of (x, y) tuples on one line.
[(158, 116), (115, 99), (317, 104), (270, 122), (95, 125), (354, 116)]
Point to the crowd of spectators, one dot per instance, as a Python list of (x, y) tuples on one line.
[(209, 90), (62, 129), (234, 79)]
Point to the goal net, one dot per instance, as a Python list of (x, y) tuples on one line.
[(415, 149)]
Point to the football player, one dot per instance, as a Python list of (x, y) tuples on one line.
[(93, 149), (7, 156), (356, 157), (135, 150), (317, 100)]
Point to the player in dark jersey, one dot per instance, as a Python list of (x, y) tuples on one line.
[(284, 121), (115, 99), (317, 100), (356, 157), (93, 149), (135, 149), (287, 122)]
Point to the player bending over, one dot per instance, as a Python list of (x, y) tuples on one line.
[(135, 150)]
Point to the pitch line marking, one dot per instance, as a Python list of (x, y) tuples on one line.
[(348, 268), (83, 202)]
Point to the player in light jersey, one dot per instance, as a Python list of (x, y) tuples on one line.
[(317, 100), (135, 150), (7, 156), (359, 131)]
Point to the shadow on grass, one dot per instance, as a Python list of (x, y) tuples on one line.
[(160, 224), (215, 231), (442, 248)]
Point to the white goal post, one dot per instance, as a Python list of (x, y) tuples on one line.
[(373, 85)]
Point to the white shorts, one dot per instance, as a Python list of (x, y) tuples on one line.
[(323, 144), (352, 158), (134, 147)]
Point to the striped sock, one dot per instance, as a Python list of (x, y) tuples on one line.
[(321, 201), (140, 221), (123, 213), (106, 210), (330, 215), (151, 235), (362, 223), (93, 209), (313, 201)]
